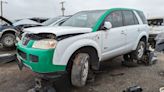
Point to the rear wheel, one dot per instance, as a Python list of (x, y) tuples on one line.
[(140, 51), (8, 40), (80, 69)]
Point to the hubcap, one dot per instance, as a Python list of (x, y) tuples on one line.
[(141, 51), (9, 40), (85, 68)]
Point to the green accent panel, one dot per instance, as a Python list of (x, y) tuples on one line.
[(102, 18), (30, 43), (44, 64)]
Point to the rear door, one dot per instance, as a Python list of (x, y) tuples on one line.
[(131, 23)]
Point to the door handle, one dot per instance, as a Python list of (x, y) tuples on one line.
[(123, 32)]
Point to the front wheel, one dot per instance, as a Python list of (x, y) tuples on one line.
[(80, 69), (8, 40), (140, 51)]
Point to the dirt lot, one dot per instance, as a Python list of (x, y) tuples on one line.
[(113, 78)]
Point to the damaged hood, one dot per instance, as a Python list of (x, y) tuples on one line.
[(58, 31)]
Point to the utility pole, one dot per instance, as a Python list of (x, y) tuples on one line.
[(62, 9), (2, 2)]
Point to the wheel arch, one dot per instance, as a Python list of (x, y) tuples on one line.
[(143, 37), (91, 50), (63, 53), (13, 31)]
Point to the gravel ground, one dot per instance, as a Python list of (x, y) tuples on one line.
[(113, 77)]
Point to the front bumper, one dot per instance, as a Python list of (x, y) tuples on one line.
[(42, 62)]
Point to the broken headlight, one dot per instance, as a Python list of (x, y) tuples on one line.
[(45, 44)]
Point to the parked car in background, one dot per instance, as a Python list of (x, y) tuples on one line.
[(8, 29), (39, 19), (81, 42), (156, 27), (57, 21), (25, 23), (7, 33)]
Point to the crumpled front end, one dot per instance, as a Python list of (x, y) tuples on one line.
[(38, 60)]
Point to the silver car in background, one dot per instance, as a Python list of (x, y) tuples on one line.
[(156, 27)]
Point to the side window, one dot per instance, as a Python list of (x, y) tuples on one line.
[(130, 18), (142, 16), (135, 19), (115, 18)]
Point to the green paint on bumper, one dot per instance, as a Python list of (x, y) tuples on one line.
[(45, 58)]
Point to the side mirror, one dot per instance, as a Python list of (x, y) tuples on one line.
[(107, 25)]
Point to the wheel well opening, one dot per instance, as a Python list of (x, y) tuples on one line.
[(89, 49), (6, 32), (144, 39)]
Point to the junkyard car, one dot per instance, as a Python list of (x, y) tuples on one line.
[(159, 42), (26, 23), (7, 33), (85, 39), (57, 21), (156, 27)]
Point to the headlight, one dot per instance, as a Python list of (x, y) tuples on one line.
[(45, 44)]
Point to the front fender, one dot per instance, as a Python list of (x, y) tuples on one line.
[(62, 56), (7, 30)]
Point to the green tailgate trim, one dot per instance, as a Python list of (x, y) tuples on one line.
[(101, 19), (44, 64)]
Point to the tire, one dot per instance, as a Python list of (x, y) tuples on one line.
[(8, 40), (140, 51), (80, 69)]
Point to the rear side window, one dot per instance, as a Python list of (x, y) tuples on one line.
[(130, 18), (142, 16), (115, 18)]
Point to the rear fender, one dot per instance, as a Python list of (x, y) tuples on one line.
[(139, 38)]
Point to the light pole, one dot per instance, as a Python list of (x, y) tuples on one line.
[(2, 2), (62, 9)]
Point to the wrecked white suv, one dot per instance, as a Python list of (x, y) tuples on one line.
[(83, 41)]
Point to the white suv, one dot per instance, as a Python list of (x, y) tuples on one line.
[(83, 41)]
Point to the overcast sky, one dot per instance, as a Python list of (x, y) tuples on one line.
[(16, 9)]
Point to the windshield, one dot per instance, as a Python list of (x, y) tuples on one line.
[(85, 19), (50, 21)]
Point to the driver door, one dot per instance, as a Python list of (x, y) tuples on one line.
[(114, 39)]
